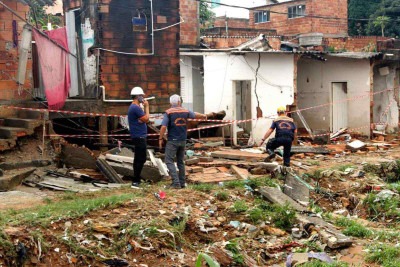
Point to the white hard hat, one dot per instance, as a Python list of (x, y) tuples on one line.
[(137, 91)]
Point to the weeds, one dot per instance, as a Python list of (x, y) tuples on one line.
[(234, 184), (282, 216), (222, 195), (317, 263), (385, 255), (342, 168), (206, 188), (240, 206), (233, 247), (262, 181), (66, 209), (383, 208), (256, 215), (316, 174)]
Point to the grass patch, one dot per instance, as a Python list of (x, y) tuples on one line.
[(233, 247), (240, 206), (385, 255), (205, 188), (342, 168), (394, 187), (317, 263), (353, 228), (282, 216), (256, 215), (222, 195), (64, 209), (382, 208), (262, 181), (234, 184), (314, 162), (316, 174)]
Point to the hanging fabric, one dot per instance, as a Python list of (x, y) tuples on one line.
[(54, 66)]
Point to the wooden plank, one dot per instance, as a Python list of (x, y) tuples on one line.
[(328, 233), (211, 178), (240, 173), (238, 155)]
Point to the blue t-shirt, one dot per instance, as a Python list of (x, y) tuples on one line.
[(177, 127), (284, 127), (137, 128)]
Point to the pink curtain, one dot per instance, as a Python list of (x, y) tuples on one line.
[(54, 65)]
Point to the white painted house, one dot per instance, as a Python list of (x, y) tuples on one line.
[(347, 90)]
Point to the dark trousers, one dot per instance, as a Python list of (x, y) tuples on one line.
[(140, 158), (172, 149), (286, 142)]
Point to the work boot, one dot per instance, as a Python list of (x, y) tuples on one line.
[(271, 156)]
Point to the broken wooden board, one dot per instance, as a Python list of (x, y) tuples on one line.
[(211, 177), (275, 195), (222, 163), (309, 149), (10, 181), (328, 233), (66, 184), (240, 173), (238, 155)]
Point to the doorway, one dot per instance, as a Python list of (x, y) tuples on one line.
[(339, 107), (242, 108)]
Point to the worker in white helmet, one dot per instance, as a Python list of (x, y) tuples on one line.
[(137, 118)]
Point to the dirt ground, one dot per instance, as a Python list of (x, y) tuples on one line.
[(143, 230)]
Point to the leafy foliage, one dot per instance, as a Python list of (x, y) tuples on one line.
[(206, 15)]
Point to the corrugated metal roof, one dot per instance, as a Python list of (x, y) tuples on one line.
[(357, 55)]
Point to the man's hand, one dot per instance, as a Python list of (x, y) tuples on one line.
[(262, 142), (160, 143), (145, 103)]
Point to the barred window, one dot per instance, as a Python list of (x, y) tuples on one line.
[(296, 11)]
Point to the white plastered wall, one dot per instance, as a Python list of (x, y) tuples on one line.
[(385, 108), (314, 87), (274, 87)]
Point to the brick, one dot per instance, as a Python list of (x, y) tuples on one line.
[(192, 161), (206, 159)]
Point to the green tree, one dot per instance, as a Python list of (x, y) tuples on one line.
[(385, 19), (381, 22), (360, 9), (206, 16), (38, 16)]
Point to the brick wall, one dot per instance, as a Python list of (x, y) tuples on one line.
[(300, 25), (232, 22), (354, 44), (190, 31), (9, 52), (230, 42), (159, 74)]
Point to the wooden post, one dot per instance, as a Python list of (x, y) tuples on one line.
[(103, 129), (45, 118)]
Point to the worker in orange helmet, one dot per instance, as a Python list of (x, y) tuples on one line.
[(285, 133)]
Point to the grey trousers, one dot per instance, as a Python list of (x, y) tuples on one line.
[(172, 149)]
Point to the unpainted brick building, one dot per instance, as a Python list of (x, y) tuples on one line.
[(136, 44), (302, 16), (10, 28)]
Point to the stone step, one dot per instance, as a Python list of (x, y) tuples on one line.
[(13, 132), (29, 114), (7, 144), (22, 123)]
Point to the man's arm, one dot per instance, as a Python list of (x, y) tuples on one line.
[(266, 135), (200, 116), (161, 137), (146, 117)]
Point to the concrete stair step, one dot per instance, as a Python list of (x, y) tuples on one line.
[(7, 144), (13, 132), (29, 114), (22, 123)]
